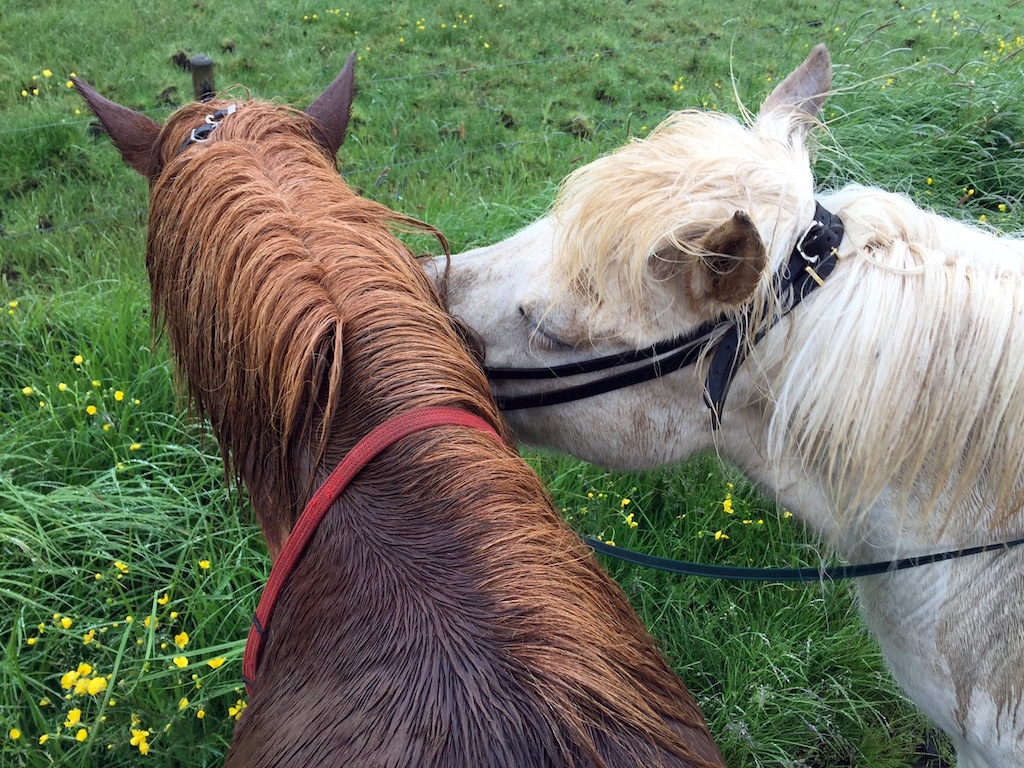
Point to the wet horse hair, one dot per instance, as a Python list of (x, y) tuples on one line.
[(442, 614)]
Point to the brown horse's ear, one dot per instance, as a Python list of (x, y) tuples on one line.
[(133, 134), (332, 108), (732, 259)]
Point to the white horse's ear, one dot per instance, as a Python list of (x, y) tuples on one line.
[(133, 134), (798, 99), (726, 267)]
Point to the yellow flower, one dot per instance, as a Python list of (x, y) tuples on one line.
[(78, 359), (82, 735), (180, 661), (134, 446), (97, 576), (121, 566), (181, 639), (26, 391), (625, 502), (31, 641), (95, 382), (727, 504), (88, 637), (204, 564), (24, 92), (97, 686), (119, 395), (174, 615), (139, 740), (91, 410), (786, 515), (62, 387), (68, 680), (44, 738), (73, 717), (70, 84), (236, 711), (148, 620), (216, 663), (15, 734), (719, 536), (163, 600), (201, 714), (610, 543), (47, 73), (182, 704), (66, 622)]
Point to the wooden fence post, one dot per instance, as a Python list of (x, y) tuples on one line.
[(202, 76)]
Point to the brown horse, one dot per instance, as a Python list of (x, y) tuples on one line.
[(442, 614)]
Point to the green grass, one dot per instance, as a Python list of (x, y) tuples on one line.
[(469, 126)]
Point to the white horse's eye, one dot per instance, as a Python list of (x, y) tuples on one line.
[(545, 339), (542, 336)]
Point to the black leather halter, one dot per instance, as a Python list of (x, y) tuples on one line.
[(202, 133), (811, 262)]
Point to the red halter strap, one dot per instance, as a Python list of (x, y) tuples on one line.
[(388, 433)]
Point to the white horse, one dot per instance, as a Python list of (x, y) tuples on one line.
[(887, 409)]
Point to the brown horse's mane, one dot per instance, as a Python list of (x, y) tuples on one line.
[(443, 613)]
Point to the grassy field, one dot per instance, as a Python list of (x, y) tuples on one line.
[(130, 572)]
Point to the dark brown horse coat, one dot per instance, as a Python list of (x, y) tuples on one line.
[(443, 614)]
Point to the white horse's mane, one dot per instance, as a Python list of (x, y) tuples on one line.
[(907, 375)]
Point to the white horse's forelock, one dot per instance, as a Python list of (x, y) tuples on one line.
[(693, 172)]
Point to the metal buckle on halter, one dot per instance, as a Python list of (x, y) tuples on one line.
[(202, 133)]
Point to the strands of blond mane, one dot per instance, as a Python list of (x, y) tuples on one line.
[(939, 414)]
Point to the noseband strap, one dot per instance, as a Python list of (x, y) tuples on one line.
[(381, 438), (811, 261)]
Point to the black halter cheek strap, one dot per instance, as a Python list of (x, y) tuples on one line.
[(811, 262)]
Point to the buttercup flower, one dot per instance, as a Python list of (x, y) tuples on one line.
[(216, 663), (180, 661), (73, 717), (139, 740), (15, 734), (181, 639), (91, 410), (78, 359)]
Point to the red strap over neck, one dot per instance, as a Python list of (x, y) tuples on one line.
[(387, 434)]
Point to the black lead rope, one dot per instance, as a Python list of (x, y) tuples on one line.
[(830, 573)]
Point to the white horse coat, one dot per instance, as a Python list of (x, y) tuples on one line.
[(887, 410)]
